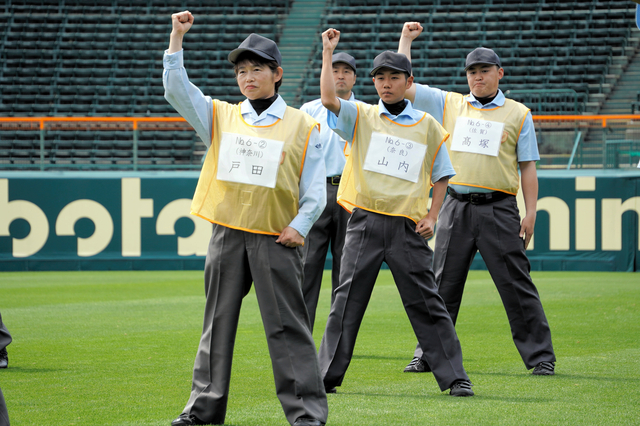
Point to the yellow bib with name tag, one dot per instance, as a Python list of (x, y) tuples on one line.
[(251, 174), (483, 142), (389, 167)]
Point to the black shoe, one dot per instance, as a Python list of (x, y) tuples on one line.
[(331, 390), (4, 358), (417, 365), (544, 368), (307, 422), (187, 420), (461, 388)]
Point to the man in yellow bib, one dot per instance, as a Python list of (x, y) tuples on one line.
[(262, 186), (396, 152), (491, 138)]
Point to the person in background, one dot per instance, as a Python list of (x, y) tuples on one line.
[(330, 228)]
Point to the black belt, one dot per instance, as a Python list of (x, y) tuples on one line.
[(334, 180), (478, 198)]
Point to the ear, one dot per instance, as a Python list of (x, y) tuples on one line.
[(279, 72), (373, 79), (500, 73), (409, 82)]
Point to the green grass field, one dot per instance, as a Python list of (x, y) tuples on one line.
[(117, 348)]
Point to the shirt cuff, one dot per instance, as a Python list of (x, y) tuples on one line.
[(173, 61), (302, 225)]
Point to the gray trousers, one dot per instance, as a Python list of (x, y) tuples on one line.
[(235, 259), (5, 336), (329, 228), (492, 229), (4, 415), (371, 239)]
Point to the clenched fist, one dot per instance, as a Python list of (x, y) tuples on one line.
[(182, 22)]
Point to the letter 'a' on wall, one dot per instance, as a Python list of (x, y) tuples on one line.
[(101, 219), (198, 242), (21, 209)]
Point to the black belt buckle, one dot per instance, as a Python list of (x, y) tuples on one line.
[(334, 180), (477, 199)]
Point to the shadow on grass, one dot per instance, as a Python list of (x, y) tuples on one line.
[(18, 369), (558, 376), (446, 396), (395, 358)]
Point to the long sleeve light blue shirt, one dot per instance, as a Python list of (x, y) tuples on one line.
[(432, 100), (197, 109), (344, 125), (332, 143)]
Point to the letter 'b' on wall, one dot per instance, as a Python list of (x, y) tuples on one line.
[(21, 209)]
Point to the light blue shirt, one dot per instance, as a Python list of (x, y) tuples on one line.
[(332, 144), (432, 100), (344, 125), (197, 109)]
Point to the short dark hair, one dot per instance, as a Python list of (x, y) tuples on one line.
[(406, 74), (254, 59)]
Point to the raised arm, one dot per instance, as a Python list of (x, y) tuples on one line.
[(328, 96), (181, 23), (410, 31)]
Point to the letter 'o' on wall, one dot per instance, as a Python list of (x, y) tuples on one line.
[(93, 211)]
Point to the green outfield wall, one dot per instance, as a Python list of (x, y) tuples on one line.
[(587, 220)]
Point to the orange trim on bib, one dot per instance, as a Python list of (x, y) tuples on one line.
[(406, 125), (373, 211), (233, 227)]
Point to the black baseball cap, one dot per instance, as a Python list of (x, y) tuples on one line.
[(345, 58), (389, 59), (482, 55), (259, 45)]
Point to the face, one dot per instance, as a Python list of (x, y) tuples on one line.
[(391, 85), (257, 81), (483, 79), (345, 78)]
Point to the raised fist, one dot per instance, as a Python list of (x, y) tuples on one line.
[(182, 22)]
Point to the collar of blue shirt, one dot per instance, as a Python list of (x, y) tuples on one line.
[(497, 102), (276, 109)]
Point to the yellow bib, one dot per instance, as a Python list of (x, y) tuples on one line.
[(377, 177), (245, 206), (495, 173)]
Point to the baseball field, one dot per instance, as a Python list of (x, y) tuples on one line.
[(117, 348)]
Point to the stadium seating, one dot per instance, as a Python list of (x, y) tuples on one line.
[(91, 58), (97, 59), (551, 44)]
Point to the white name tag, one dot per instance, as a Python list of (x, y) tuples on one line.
[(477, 136), (250, 160), (395, 157)]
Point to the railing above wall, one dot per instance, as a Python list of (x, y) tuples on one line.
[(170, 143)]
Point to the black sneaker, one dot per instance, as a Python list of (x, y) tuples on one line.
[(461, 388), (544, 368), (187, 420), (4, 358), (417, 365)]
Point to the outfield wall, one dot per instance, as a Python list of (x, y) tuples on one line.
[(587, 220)]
